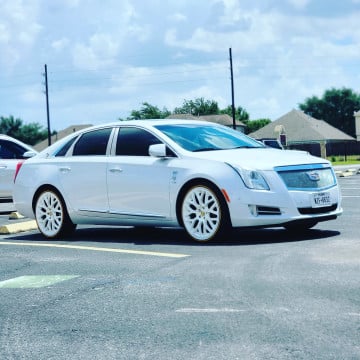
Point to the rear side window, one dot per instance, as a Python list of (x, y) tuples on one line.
[(10, 150), (135, 142), (93, 143), (66, 147)]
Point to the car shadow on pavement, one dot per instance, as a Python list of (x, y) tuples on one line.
[(167, 236)]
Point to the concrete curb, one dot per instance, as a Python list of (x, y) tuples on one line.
[(18, 227), (347, 172)]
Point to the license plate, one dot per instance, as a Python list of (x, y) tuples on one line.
[(321, 199)]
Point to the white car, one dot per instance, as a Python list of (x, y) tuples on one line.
[(11, 150), (206, 178)]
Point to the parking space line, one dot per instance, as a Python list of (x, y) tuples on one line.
[(94, 248), (209, 310), (34, 281)]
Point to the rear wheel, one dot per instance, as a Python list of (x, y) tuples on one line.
[(203, 213), (51, 215)]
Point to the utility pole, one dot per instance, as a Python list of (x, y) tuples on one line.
[(47, 105), (232, 90)]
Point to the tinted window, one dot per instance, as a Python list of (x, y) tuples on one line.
[(93, 143), (66, 147), (134, 142), (10, 150)]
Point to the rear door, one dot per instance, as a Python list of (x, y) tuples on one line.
[(83, 174)]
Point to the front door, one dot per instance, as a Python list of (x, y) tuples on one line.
[(138, 184)]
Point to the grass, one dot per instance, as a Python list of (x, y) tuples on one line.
[(345, 160)]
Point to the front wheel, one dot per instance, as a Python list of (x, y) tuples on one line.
[(51, 215), (203, 213)]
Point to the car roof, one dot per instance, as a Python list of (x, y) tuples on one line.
[(10, 138), (152, 122)]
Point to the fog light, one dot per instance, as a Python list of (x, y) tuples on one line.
[(253, 210)]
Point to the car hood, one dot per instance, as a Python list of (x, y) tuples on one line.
[(261, 158)]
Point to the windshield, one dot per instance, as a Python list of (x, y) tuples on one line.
[(194, 137)]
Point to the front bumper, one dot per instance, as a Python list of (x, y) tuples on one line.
[(273, 208)]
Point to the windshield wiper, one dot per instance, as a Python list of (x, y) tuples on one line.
[(246, 147), (206, 149)]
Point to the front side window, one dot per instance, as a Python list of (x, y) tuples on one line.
[(134, 142), (93, 143)]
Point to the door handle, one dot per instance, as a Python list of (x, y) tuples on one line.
[(65, 169), (115, 170)]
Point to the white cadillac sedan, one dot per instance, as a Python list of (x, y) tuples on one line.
[(11, 150), (203, 177)]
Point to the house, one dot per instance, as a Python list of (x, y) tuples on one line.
[(59, 135), (222, 119), (298, 130)]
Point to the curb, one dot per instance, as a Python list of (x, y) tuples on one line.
[(18, 227), (347, 172)]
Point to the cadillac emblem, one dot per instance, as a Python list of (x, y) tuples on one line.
[(313, 175)]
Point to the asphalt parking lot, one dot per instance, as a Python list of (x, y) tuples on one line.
[(117, 293)]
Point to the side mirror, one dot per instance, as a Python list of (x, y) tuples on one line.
[(157, 150), (29, 154)]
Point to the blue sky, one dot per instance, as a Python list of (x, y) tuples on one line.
[(107, 57)]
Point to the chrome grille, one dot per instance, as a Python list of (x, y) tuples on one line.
[(307, 178)]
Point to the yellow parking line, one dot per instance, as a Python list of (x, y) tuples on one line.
[(93, 248)]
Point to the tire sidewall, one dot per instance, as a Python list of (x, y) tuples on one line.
[(223, 224)]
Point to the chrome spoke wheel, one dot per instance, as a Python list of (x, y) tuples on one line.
[(201, 213), (49, 214)]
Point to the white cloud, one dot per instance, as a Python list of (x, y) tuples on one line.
[(260, 30), (19, 29), (33, 94), (61, 44), (299, 4), (4, 34), (177, 17), (100, 51), (129, 79), (232, 12), (114, 26)]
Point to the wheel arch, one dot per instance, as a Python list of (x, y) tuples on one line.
[(200, 181), (41, 189)]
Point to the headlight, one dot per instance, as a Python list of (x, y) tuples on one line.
[(253, 179)]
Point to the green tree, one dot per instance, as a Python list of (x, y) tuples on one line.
[(240, 113), (198, 107), (253, 125), (148, 111), (336, 107), (29, 133)]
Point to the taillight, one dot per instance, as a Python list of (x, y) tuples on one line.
[(18, 166)]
